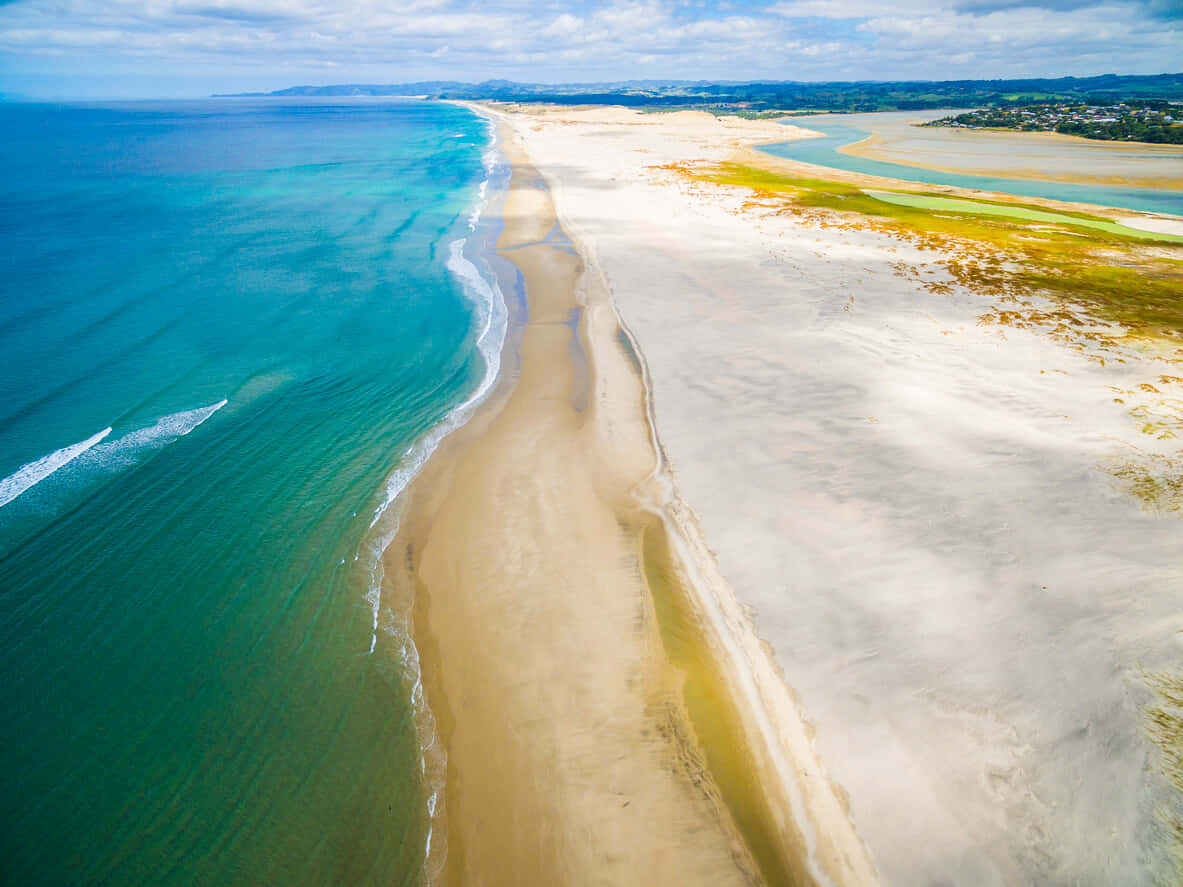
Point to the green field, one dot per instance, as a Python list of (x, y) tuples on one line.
[(948, 204)]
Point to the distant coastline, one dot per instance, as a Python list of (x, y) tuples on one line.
[(759, 97), (1135, 122)]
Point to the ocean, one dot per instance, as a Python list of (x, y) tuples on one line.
[(231, 330)]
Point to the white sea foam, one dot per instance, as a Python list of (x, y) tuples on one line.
[(491, 316), (126, 450), (94, 456), (33, 473)]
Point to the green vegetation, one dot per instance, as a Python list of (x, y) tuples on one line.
[(1164, 724), (1157, 122), (924, 201), (720, 739), (759, 97), (726, 111), (1078, 261), (1156, 481)]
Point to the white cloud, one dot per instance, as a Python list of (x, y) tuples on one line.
[(383, 41), (850, 9)]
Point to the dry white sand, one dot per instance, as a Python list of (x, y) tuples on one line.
[(913, 506), (1156, 224)]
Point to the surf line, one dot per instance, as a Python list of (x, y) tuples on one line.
[(484, 293), (113, 455), (32, 473)]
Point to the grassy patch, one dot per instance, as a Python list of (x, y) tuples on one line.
[(1023, 213), (1125, 277), (1164, 725), (1157, 481)]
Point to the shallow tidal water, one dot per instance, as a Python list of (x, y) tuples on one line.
[(960, 149), (224, 323)]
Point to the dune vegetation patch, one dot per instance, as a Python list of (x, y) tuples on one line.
[(1164, 726), (1115, 274), (1020, 212), (1098, 287)]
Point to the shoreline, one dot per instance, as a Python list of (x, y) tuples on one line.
[(683, 820), (1050, 135), (471, 267)]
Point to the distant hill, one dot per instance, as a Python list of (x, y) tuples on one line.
[(766, 96)]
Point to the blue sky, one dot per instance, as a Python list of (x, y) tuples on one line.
[(125, 48)]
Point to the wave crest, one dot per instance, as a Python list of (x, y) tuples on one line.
[(32, 473)]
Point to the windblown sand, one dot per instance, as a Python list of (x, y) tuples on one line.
[(914, 507)]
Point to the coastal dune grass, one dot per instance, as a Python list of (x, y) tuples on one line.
[(974, 207), (1164, 725), (1113, 274)]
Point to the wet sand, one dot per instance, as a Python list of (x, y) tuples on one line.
[(607, 714), (915, 507)]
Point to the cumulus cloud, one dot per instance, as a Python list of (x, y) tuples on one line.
[(385, 41), (848, 9)]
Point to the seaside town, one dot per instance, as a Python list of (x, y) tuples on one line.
[(1146, 121)]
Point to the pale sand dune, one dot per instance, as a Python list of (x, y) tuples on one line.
[(913, 506)]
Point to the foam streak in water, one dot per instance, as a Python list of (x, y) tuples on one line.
[(33, 473), (121, 453)]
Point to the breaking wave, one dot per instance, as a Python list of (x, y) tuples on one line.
[(32, 473)]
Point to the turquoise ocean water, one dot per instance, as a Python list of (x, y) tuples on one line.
[(230, 331), (824, 152)]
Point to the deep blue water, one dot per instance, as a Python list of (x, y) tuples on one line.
[(255, 299), (824, 152)]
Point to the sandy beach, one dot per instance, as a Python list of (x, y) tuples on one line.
[(601, 723), (912, 508)]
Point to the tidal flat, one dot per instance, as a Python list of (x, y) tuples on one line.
[(900, 137)]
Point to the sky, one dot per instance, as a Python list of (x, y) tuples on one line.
[(181, 48)]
